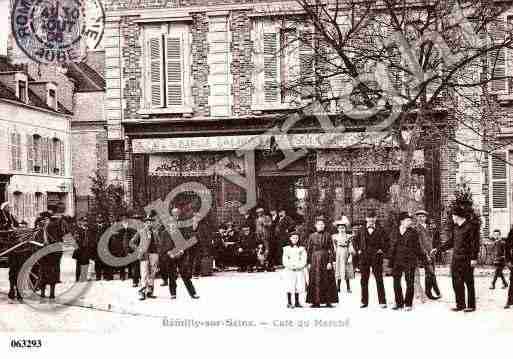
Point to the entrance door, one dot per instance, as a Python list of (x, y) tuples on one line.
[(277, 192)]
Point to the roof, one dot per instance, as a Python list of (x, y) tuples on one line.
[(34, 100), (86, 78)]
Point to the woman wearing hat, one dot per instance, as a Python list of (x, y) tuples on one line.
[(344, 252), (322, 287)]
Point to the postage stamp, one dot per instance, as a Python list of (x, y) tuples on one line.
[(57, 31)]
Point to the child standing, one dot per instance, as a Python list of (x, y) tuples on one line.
[(294, 261)]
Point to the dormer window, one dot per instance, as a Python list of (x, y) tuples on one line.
[(51, 96), (22, 91)]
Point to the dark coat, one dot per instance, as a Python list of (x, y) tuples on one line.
[(322, 287), (508, 247), (464, 241), (282, 229), (82, 254), (372, 246), (406, 251), (7, 221), (249, 243), (499, 252), (51, 263)]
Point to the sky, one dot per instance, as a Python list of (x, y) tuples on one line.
[(4, 26)]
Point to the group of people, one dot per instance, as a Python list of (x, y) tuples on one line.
[(150, 249), (319, 263), (258, 242), (327, 259)]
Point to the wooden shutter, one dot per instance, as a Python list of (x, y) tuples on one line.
[(30, 153), (44, 146), (18, 151), (306, 62), (497, 63), (156, 71), (271, 67), (62, 163), (499, 181), (174, 68), (12, 150)]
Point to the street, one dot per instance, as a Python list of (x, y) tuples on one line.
[(238, 300)]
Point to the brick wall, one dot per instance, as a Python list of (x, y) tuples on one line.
[(199, 50), (242, 65)]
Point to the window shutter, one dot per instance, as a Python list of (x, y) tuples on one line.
[(44, 145), (174, 85), (62, 171), (306, 62), (156, 72), (12, 162), (271, 67), (18, 151), (497, 64), (30, 153), (499, 181)]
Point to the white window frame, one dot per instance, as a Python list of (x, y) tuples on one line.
[(261, 25), (165, 29)]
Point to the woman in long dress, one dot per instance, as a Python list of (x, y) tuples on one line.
[(344, 253), (322, 287), (50, 232)]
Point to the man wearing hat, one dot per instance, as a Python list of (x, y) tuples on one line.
[(146, 243), (426, 236), (405, 253), (134, 268), (371, 243), (82, 253), (464, 241)]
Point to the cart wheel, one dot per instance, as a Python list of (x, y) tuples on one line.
[(35, 279)]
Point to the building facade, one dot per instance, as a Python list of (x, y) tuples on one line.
[(35, 154), (183, 93)]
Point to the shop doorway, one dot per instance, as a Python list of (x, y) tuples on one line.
[(287, 192)]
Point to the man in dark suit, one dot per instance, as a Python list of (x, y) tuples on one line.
[(499, 258), (405, 253), (426, 236), (181, 262), (509, 262), (284, 224), (371, 243), (246, 251), (464, 240)]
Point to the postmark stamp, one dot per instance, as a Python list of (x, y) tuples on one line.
[(57, 31)]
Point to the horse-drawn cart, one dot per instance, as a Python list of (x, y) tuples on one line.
[(17, 244)]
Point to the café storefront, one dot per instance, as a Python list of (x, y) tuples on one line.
[(336, 175)]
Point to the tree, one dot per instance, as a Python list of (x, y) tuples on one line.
[(109, 199), (408, 68)]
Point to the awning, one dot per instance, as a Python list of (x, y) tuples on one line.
[(362, 160)]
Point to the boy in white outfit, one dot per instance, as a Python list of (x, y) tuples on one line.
[(294, 261)]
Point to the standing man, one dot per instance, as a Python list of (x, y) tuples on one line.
[(82, 253), (164, 260), (181, 262), (426, 236), (285, 223), (509, 262), (405, 253), (499, 259), (146, 243), (371, 243), (126, 234), (464, 240), (99, 267)]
